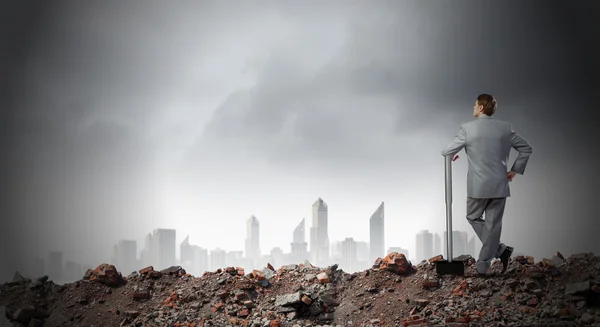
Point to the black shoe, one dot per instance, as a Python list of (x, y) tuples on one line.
[(505, 256)]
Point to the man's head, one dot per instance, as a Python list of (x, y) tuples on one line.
[(485, 104)]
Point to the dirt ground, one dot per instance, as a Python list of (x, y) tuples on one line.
[(550, 292)]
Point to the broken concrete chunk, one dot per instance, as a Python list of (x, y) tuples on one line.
[(288, 299)]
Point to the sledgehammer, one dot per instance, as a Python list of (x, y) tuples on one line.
[(449, 266)]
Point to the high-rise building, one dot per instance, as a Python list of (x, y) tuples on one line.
[(349, 255), (149, 255), (234, 259), (276, 257), (200, 260), (424, 246), (186, 254), (160, 249), (299, 246), (336, 250), (377, 234), (252, 238), (126, 257), (218, 259), (167, 247), (193, 258), (299, 233), (319, 235)]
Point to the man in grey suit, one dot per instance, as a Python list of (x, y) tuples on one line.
[(487, 142)]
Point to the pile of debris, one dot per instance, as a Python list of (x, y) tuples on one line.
[(394, 292)]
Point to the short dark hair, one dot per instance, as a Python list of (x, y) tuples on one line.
[(488, 102)]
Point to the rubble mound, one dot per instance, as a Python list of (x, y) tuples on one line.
[(394, 292)]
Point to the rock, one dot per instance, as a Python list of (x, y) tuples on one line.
[(395, 262), (108, 275), (288, 299), (175, 270), (323, 278), (146, 270), (436, 258)]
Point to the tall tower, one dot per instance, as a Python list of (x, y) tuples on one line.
[(299, 232), (349, 255), (186, 253), (377, 235), (424, 249), (252, 238), (319, 235), (299, 245), (165, 241)]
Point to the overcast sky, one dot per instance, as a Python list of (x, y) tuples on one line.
[(122, 117)]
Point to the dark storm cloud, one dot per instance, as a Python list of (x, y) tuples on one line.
[(426, 61)]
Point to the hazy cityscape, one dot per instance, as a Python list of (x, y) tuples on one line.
[(159, 249)]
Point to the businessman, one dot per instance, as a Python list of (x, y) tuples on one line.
[(487, 142)]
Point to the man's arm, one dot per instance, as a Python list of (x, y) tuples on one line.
[(457, 144), (522, 146)]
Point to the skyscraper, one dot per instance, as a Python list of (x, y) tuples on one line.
[(218, 259), (349, 255), (252, 238), (377, 237), (319, 235), (200, 260), (167, 247), (299, 245), (276, 257), (149, 256), (299, 232), (424, 244), (186, 253), (160, 248)]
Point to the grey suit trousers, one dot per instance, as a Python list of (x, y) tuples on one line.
[(487, 230)]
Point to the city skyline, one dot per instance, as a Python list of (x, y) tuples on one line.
[(161, 250)]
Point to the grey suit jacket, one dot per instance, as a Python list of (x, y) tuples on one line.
[(487, 142)]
